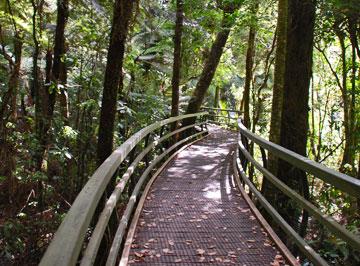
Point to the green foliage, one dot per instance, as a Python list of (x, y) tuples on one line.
[(145, 97)]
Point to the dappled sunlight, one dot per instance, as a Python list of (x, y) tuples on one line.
[(195, 207)]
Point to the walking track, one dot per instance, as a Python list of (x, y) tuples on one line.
[(194, 213)]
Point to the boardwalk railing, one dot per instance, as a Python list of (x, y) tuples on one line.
[(347, 184), (228, 117), (70, 238)]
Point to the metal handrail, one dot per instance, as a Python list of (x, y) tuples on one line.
[(299, 241), (216, 117), (344, 182), (348, 184), (219, 109), (65, 248)]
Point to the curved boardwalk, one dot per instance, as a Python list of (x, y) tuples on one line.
[(194, 213)]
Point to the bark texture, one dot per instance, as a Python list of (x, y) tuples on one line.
[(55, 71), (250, 54), (279, 79), (177, 59), (209, 69), (123, 11), (278, 91), (294, 121)]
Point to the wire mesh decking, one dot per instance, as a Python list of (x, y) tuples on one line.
[(195, 214)]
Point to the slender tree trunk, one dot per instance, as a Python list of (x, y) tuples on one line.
[(113, 82), (209, 69), (217, 97), (349, 100), (278, 91), (59, 68), (250, 54), (45, 96), (177, 60), (347, 154), (123, 11), (294, 120), (8, 113), (177, 65), (37, 93)]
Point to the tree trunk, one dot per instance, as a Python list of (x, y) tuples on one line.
[(123, 11), (217, 97), (177, 64), (278, 91), (250, 54), (46, 95), (209, 69), (59, 67), (294, 120), (113, 82), (349, 101), (8, 113), (177, 59)]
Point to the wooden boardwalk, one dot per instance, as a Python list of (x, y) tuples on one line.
[(194, 213)]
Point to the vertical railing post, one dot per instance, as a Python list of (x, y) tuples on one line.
[(146, 144)]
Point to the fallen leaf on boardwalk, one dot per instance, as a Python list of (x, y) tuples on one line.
[(166, 250), (218, 259), (212, 253), (178, 260), (201, 259), (212, 246), (158, 255), (180, 214), (275, 263), (171, 242), (151, 240), (231, 252), (251, 240), (200, 251), (278, 257), (139, 255), (204, 216)]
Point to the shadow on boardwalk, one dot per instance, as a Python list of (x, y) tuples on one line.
[(195, 214)]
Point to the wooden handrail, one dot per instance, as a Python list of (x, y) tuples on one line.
[(64, 249)]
